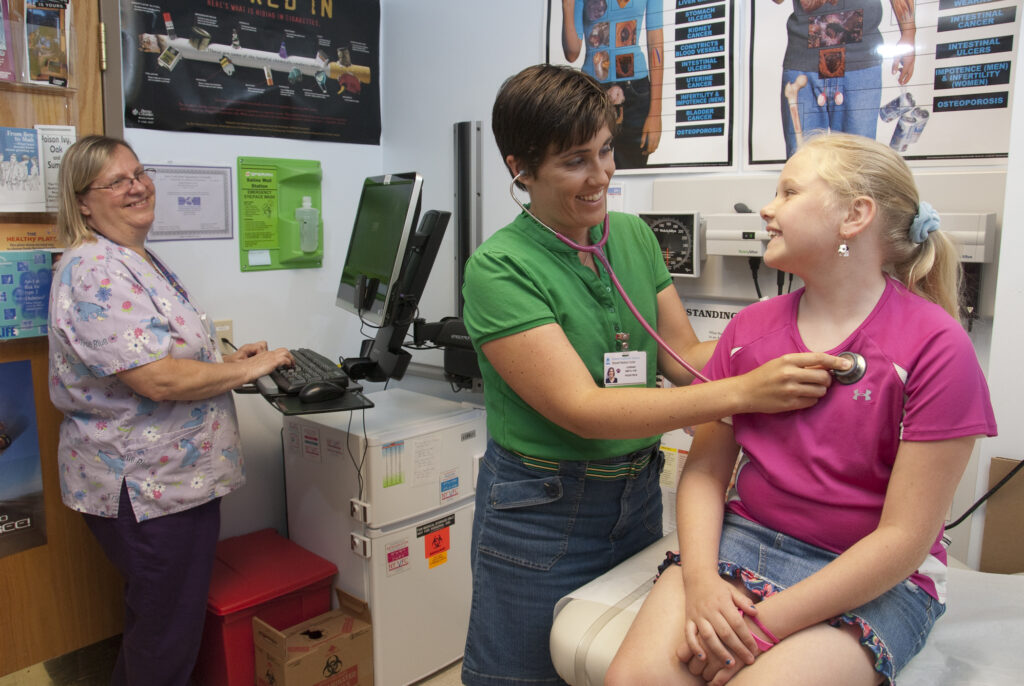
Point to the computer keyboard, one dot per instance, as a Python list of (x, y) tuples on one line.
[(310, 367)]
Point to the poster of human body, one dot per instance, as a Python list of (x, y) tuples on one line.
[(667, 65), (306, 70), (931, 79), (22, 522)]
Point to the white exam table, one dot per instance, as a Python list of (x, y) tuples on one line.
[(978, 642)]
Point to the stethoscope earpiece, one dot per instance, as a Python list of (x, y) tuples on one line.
[(854, 373)]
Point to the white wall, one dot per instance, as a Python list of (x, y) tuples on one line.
[(1004, 370), (440, 66)]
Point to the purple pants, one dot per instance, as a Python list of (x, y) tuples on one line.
[(166, 563)]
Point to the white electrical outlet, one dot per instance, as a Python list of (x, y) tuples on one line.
[(224, 328)]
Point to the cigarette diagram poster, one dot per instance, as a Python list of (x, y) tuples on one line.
[(22, 514), (305, 70), (667, 66), (930, 79)]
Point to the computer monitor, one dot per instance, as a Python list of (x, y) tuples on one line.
[(389, 207), (388, 263)]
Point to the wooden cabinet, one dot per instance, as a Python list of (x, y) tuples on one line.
[(63, 595)]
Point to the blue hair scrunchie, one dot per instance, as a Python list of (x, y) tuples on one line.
[(925, 221)]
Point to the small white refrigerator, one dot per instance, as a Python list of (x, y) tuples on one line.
[(387, 496)]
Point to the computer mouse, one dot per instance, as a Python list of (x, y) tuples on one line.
[(320, 391)]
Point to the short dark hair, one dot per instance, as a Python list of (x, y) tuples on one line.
[(548, 105)]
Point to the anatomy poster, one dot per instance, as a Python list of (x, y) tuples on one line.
[(931, 79), (304, 69), (667, 65), (22, 516)]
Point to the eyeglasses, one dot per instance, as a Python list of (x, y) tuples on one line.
[(124, 184)]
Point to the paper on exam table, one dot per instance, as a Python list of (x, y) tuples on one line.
[(979, 640)]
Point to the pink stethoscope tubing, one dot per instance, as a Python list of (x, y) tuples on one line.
[(597, 251)]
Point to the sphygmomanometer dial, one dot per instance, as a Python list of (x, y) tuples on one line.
[(675, 235)]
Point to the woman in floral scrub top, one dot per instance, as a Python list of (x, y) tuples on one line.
[(149, 441)]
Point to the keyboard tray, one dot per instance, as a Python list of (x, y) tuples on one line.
[(353, 399)]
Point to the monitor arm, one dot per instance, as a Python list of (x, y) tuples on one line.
[(460, 361)]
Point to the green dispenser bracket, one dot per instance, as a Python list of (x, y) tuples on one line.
[(280, 225)]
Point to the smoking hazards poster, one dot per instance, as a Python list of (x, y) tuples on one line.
[(931, 79), (22, 519), (304, 69), (668, 67)]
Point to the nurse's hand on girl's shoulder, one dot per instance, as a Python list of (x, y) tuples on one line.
[(791, 382)]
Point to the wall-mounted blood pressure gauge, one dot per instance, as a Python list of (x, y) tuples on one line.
[(679, 236)]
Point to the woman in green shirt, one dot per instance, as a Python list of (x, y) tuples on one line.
[(569, 486)]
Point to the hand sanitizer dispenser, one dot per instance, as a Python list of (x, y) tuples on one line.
[(309, 225)]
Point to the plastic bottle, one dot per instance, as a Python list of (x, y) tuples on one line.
[(309, 225)]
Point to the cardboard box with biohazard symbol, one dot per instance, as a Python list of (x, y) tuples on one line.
[(334, 649)]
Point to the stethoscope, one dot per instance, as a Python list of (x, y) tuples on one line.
[(849, 376), (597, 250)]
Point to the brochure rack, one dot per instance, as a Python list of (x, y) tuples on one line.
[(68, 576)]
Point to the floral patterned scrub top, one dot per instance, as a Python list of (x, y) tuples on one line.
[(110, 310)]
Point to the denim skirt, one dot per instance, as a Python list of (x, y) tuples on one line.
[(893, 626), (539, 534)]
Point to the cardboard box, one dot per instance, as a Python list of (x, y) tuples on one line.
[(1002, 548), (334, 649)]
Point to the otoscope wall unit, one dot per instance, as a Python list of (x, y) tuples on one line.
[(973, 233), (740, 235)]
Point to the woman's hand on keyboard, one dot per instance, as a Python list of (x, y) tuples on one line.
[(246, 351), (260, 360)]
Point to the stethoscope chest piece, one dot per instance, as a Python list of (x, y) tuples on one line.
[(854, 373)]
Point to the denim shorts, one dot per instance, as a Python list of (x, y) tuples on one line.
[(893, 626), (537, 536)]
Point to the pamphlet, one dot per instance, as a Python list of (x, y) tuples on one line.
[(7, 70), (54, 141), (21, 180), (47, 35), (25, 277)]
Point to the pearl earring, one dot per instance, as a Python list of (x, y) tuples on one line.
[(844, 249)]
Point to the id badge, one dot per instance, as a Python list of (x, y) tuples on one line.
[(627, 368)]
